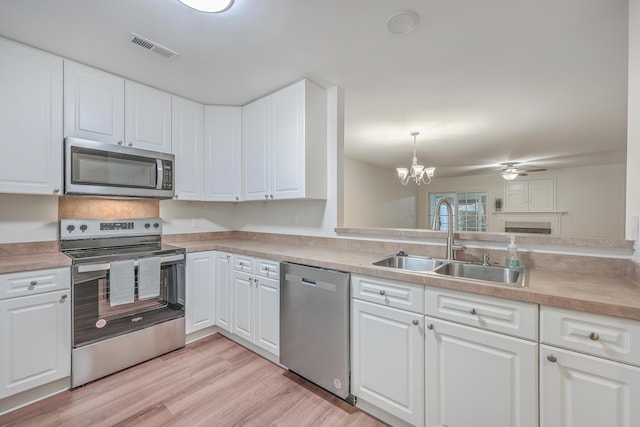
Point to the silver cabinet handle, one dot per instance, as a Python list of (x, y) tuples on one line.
[(473, 311), (594, 336), (382, 292), (33, 283), (56, 190), (266, 196), (63, 297), (237, 198), (416, 322), (430, 326), (552, 358), (119, 142), (271, 196), (130, 144), (176, 197)]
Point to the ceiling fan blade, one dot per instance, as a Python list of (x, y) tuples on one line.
[(523, 174), (536, 170)]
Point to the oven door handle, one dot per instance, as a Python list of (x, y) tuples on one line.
[(88, 268)]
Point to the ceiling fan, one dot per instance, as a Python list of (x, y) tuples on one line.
[(511, 172)]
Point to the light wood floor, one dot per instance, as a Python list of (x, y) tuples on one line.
[(212, 382)]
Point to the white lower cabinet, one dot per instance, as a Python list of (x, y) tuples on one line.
[(479, 378), (578, 390), (387, 368), (35, 333), (589, 369), (256, 301), (223, 291), (200, 291)]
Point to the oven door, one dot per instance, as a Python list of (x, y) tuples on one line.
[(96, 317)]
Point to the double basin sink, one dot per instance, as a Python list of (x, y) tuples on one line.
[(461, 269)]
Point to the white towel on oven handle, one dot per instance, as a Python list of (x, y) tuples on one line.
[(121, 283), (148, 278)]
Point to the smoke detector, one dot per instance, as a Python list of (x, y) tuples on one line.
[(152, 46)]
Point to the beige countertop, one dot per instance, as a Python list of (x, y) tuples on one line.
[(586, 292), (612, 296), (38, 261)]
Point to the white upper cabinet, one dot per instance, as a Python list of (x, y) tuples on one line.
[(93, 104), (30, 120), (103, 107), (187, 136), (147, 122), (256, 148), (284, 144), (532, 195), (222, 158)]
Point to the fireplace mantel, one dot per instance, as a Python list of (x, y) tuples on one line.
[(528, 216)]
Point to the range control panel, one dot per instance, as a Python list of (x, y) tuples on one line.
[(74, 229)]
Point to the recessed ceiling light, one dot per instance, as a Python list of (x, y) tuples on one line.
[(402, 22), (210, 6)]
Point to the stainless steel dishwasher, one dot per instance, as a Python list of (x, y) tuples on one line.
[(314, 326)]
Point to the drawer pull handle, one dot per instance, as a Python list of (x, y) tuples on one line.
[(416, 322), (383, 293), (594, 336), (473, 311), (552, 358), (33, 283), (63, 297), (430, 326)]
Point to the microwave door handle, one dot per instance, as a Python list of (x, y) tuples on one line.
[(159, 174)]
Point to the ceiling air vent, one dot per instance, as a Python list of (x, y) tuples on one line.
[(152, 46)]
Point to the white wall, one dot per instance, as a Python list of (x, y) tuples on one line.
[(28, 218), (592, 196), (633, 126), (373, 197)]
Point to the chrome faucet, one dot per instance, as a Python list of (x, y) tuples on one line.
[(451, 246)]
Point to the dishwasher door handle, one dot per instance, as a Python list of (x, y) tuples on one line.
[(299, 280)]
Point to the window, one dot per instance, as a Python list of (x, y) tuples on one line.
[(469, 210)]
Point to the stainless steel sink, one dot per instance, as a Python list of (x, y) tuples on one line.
[(485, 273), (408, 262)]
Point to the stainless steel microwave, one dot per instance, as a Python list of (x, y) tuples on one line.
[(103, 169)]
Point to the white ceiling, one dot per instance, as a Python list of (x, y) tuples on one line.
[(538, 81)]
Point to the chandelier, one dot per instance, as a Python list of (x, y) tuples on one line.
[(416, 172)]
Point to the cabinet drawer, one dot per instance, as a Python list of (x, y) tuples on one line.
[(244, 263), (267, 268), (610, 337), (390, 293), (34, 282), (501, 315)]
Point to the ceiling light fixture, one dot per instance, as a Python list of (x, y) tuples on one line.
[(209, 6), (402, 22), (510, 173), (416, 172)]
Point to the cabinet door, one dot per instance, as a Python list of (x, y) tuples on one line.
[(93, 104), (243, 305), (223, 285), (147, 120), (187, 143), (516, 196), (478, 378), (288, 142), (256, 140), (577, 390), (30, 120), (542, 195), (35, 341), (387, 360), (268, 314), (200, 291), (222, 153)]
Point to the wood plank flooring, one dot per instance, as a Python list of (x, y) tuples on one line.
[(211, 382)]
